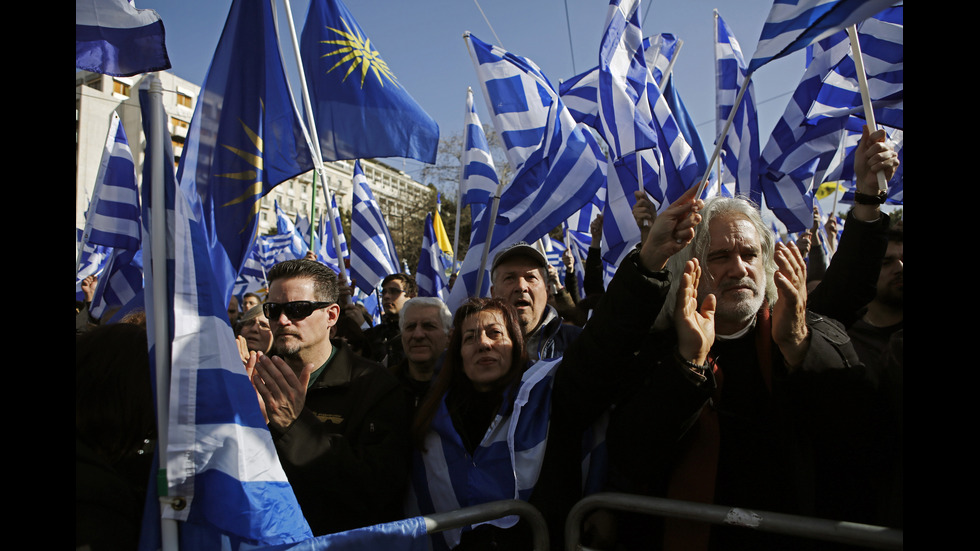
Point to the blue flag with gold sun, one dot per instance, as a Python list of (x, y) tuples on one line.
[(244, 138), (361, 109)]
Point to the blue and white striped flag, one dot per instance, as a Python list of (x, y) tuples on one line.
[(740, 154), (327, 253), (113, 218), (791, 157), (505, 465), (625, 118), (795, 24), (276, 248), (92, 261), (373, 253), (882, 47), (581, 220), (252, 277), (285, 226), (801, 156), (479, 181), (114, 221), (112, 37), (430, 276), (120, 284), (244, 139), (559, 174)]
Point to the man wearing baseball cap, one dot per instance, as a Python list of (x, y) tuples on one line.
[(519, 275)]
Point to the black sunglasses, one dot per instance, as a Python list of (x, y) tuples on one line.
[(294, 310)]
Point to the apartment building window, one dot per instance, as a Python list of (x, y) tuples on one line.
[(184, 99), (120, 88)]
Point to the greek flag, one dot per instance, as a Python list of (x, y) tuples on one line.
[(740, 154), (120, 284), (795, 24), (882, 47), (327, 253), (624, 112), (505, 465), (92, 261), (791, 157), (581, 220), (361, 109), (113, 222), (244, 138), (800, 155), (112, 37), (274, 249), (285, 226), (252, 277), (373, 253), (559, 174), (479, 181), (430, 276), (113, 218)]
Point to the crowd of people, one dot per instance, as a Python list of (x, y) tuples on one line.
[(713, 368)]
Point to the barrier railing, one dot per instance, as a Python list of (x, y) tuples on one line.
[(459, 518), (876, 537)]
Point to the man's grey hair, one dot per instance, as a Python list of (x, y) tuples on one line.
[(720, 207), (445, 316)]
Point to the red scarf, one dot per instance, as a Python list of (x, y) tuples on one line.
[(696, 468)]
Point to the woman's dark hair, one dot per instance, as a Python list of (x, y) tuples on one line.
[(452, 380), (114, 409)]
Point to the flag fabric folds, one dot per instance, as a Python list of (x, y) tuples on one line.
[(795, 24), (799, 155), (243, 139), (740, 157), (624, 112), (558, 174), (373, 253), (285, 226), (479, 181), (442, 238), (327, 253), (112, 37), (882, 47), (430, 276), (219, 453), (113, 218), (113, 221), (361, 109)]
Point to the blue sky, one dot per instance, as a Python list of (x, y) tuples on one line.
[(421, 41)]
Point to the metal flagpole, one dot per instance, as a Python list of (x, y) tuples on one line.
[(315, 141), (158, 244)]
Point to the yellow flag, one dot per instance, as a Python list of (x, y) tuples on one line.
[(828, 188), (441, 237)]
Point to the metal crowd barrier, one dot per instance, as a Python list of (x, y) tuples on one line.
[(459, 518), (876, 537)]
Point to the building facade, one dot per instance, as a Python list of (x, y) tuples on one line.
[(403, 201)]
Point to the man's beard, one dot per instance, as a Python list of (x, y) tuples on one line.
[(285, 350), (741, 310)]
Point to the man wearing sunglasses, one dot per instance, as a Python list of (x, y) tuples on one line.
[(337, 419)]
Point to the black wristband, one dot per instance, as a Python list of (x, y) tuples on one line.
[(866, 199)]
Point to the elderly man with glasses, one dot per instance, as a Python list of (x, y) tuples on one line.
[(338, 420)]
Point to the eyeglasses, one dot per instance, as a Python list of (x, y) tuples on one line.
[(294, 310), (394, 291)]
